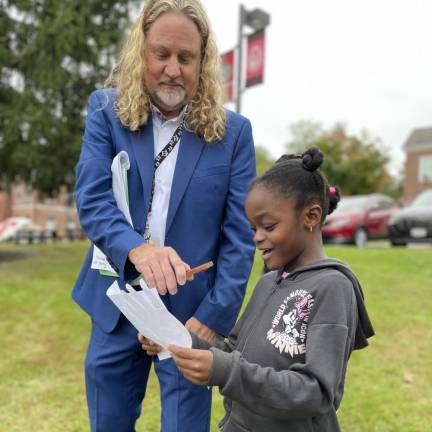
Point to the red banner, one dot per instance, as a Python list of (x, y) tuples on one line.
[(227, 61), (255, 58)]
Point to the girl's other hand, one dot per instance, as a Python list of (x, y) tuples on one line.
[(195, 364), (150, 347)]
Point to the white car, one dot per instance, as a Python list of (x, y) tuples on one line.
[(11, 226)]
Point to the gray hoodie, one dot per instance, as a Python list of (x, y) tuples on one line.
[(283, 365)]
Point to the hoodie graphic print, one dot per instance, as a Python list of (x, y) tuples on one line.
[(289, 325)]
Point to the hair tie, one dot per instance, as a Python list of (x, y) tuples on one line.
[(332, 191)]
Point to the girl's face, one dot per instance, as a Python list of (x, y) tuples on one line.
[(280, 230)]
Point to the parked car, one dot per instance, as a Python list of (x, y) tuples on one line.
[(21, 230), (10, 226), (413, 224), (359, 218)]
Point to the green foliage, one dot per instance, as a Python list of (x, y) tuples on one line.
[(304, 133), (395, 186), (44, 337), (52, 55), (357, 164), (263, 159)]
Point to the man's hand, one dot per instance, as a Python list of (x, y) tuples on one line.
[(150, 347), (194, 364), (161, 267), (201, 330)]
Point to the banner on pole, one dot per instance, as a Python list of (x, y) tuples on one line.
[(227, 60), (255, 58)]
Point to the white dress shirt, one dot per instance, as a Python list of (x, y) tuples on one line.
[(163, 130)]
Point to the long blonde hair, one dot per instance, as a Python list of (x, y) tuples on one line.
[(206, 115)]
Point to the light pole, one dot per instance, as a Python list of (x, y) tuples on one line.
[(256, 19)]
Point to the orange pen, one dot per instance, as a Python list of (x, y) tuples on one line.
[(198, 269)]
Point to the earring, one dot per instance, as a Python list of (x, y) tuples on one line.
[(310, 228)]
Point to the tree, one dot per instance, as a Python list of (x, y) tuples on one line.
[(263, 159), (303, 134), (357, 164), (52, 55)]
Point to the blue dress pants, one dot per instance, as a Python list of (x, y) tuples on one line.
[(116, 371)]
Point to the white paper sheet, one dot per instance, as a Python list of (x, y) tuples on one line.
[(148, 314), (119, 167)]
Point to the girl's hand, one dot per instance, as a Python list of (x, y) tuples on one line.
[(194, 364), (150, 347)]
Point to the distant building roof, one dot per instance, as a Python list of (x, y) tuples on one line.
[(421, 137)]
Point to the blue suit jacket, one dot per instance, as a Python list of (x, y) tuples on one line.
[(206, 219)]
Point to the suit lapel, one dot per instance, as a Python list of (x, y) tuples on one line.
[(189, 152), (143, 148)]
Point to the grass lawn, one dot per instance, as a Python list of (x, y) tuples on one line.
[(44, 335)]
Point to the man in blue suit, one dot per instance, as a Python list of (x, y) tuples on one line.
[(190, 165)]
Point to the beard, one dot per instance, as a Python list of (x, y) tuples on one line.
[(170, 98)]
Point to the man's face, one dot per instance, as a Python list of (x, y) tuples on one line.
[(173, 59)]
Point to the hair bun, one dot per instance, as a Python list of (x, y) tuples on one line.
[(312, 159)]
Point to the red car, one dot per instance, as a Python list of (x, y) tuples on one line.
[(359, 218)]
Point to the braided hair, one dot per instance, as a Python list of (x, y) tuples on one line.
[(298, 176)]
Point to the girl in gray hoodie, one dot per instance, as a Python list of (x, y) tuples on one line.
[(283, 366)]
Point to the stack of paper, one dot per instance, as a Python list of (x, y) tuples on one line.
[(148, 314), (119, 167)]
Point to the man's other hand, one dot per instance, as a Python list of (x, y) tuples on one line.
[(201, 330)]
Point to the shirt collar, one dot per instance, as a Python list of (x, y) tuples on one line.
[(161, 119)]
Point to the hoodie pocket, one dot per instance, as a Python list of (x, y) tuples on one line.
[(233, 426), (235, 418)]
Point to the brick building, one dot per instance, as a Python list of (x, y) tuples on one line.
[(5, 205), (418, 164), (57, 214)]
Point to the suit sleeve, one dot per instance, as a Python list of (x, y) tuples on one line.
[(220, 307), (102, 221), (303, 389)]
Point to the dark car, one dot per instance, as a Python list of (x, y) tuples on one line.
[(413, 224), (359, 218)]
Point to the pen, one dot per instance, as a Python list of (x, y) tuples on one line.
[(199, 268), (189, 273)]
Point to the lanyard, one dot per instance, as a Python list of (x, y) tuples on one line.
[(157, 162)]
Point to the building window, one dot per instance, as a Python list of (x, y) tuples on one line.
[(425, 169), (28, 198), (17, 192)]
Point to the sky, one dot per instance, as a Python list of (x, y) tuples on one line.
[(365, 63)]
